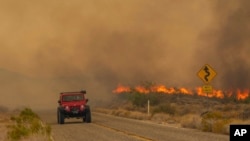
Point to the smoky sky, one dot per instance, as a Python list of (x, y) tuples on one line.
[(133, 40), (233, 47), (98, 44), (228, 43)]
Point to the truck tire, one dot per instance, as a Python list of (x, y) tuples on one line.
[(60, 117), (87, 117)]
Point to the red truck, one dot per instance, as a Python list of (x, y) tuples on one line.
[(73, 105)]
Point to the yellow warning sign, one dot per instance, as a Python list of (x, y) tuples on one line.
[(206, 74), (207, 89)]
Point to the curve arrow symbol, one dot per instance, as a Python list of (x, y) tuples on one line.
[(206, 69)]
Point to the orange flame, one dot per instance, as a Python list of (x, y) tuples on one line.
[(162, 89), (121, 89), (186, 91), (142, 89), (240, 94)]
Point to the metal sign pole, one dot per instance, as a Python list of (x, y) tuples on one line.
[(206, 74), (148, 107), (207, 103)]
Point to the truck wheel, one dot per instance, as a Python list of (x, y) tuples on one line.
[(60, 117), (87, 117)]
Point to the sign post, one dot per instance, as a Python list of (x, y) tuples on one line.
[(206, 74)]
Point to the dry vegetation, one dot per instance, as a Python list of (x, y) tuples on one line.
[(22, 125), (202, 113), (4, 121)]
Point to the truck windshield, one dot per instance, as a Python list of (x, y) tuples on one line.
[(67, 98)]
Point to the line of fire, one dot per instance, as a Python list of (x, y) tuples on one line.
[(238, 94)]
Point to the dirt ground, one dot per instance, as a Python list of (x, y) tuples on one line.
[(4, 121)]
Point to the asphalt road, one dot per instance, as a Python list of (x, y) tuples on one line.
[(111, 128)]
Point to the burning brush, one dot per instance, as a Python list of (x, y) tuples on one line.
[(162, 89)]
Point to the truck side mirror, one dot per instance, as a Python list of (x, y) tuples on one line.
[(59, 101), (87, 100)]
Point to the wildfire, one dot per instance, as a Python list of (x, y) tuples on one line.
[(121, 89), (242, 94), (142, 89), (162, 89)]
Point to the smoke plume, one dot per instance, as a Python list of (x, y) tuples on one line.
[(228, 43), (95, 45)]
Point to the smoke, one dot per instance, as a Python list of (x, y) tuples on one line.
[(229, 43), (234, 43), (95, 45)]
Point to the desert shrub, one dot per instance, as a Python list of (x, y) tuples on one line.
[(17, 132), (247, 100), (184, 111), (214, 122), (138, 115), (164, 108), (25, 124), (227, 107), (160, 117), (124, 95), (245, 114), (191, 121), (139, 99), (154, 98), (119, 112)]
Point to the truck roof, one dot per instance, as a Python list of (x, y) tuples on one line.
[(80, 92)]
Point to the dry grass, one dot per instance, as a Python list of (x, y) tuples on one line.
[(102, 110), (191, 121), (28, 124), (124, 113), (209, 115), (217, 122), (4, 121), (7, 126)]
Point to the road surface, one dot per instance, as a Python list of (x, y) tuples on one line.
[(111, 128)]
